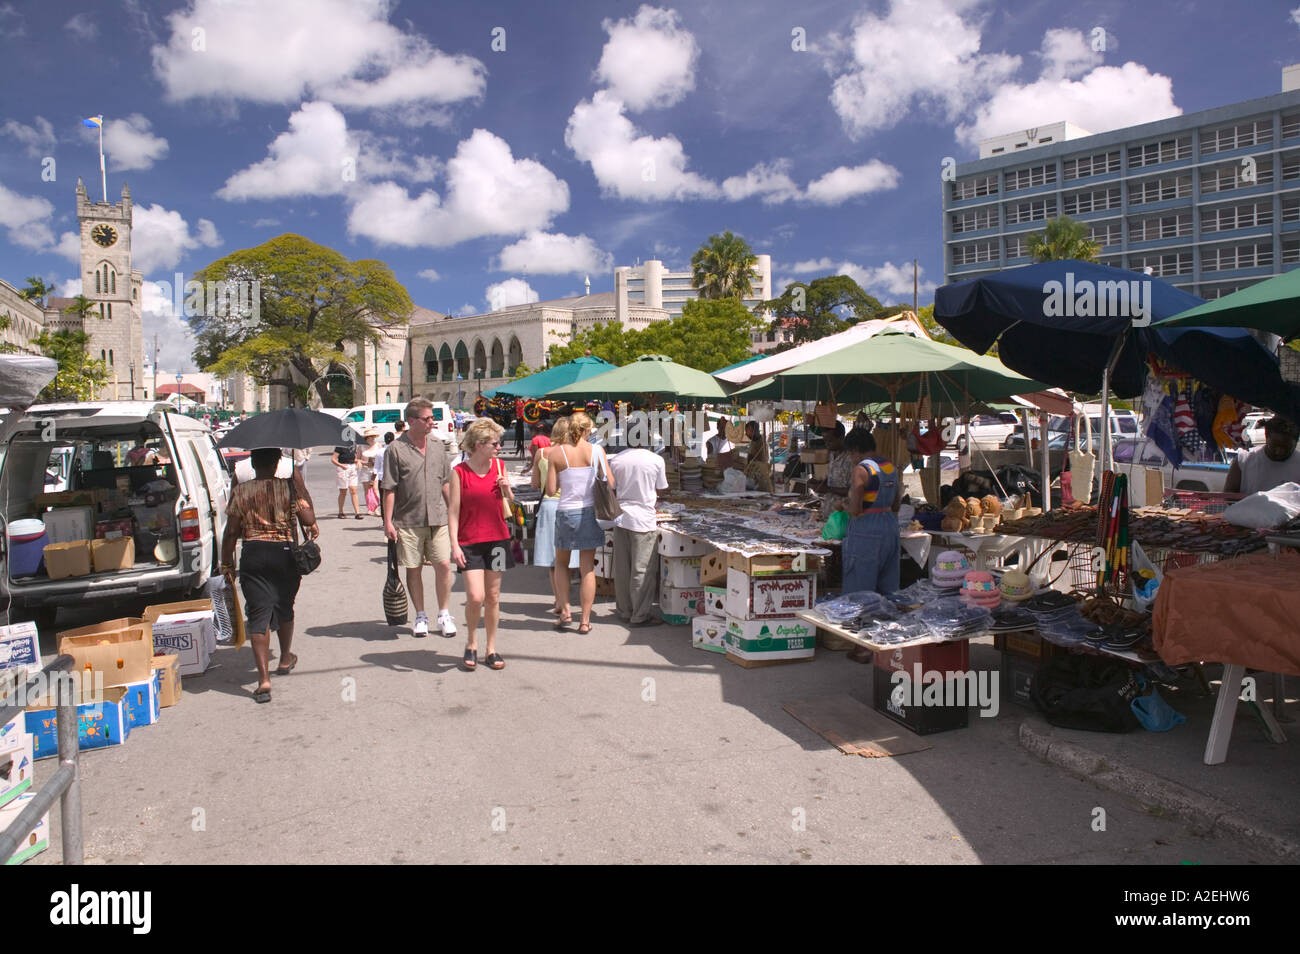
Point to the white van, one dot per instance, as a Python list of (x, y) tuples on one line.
[(134, 466), (384, 418)]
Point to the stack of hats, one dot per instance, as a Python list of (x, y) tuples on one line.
[(1016, 586), (949, 570), (979, 589), (692, 481)]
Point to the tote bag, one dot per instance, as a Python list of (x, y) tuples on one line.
[(394, 592), (1082, 463), (607, 507)]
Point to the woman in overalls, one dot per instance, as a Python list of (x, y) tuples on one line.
[(871, 546)]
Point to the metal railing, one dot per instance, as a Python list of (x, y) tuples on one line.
[(64, 784)]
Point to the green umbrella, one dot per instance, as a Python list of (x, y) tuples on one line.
[(539, 384), (651, 376), (894, 367), (1273, 305)]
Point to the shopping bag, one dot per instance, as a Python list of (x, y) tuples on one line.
[(394, 592), (219, 590), (607, 507), (837, 525), (1082, 463), (236, 611), (372, 499)]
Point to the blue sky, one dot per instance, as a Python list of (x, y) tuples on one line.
[(593, 134)]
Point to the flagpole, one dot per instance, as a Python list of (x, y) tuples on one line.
[(103, 171)]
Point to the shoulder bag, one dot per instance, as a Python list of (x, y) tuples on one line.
[(306, 555), (607, 507)]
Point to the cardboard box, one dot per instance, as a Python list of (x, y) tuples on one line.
[(678, 604), (819, 471), (713, 569), (709, 633), (168, 668), (672, 544), (1028, 645), (187, 630), (112, 529), (680, 571), (715, 600), (12, 734), (604, 588), (769, 597), (894, 700), (770, 564), (99, 724), (122, 654), (36, 841), (1016, 678), (16, 770), (143, 700), (71, 498), (63, 560), (69, 523), (112, 554), (604, 565), (20, 648), (789, 638), (759, 662)]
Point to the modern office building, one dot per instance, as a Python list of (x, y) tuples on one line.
[(653, 286), (1208, 201)]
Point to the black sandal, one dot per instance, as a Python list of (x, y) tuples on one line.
[(495, 661), (470, 662), (262, 695), (285, 670)]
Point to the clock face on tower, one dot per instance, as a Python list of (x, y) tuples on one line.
[(104, 235)]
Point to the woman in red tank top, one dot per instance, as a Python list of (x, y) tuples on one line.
[(480, 539)]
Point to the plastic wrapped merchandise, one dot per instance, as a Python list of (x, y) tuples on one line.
[(1069, 629), (918, 594), (953, 619), (848, 608), (897, 632)]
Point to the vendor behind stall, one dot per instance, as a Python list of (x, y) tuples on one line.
[(1274, 463), (839, 471), (871, 546), (758, 464)]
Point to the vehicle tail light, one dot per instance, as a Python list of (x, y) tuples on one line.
[(189, 518)]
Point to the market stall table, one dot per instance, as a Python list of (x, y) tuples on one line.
[(1240, 612)]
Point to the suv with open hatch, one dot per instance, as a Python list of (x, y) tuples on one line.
[(139, 511)]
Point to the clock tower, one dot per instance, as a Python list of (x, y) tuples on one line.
[(107, 279)]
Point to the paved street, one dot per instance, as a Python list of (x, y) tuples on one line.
[(618, 746)]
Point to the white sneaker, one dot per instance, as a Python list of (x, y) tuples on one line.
[(448, 625), (421, 627)]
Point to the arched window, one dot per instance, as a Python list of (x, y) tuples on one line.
[(97, 288), (388, 397), (462, 361), (388, 370), (110, 357), (110, 311), (399, 377), (446, 362), (103, 355), (480, 360), (498, 364), (112, 281), (430, 364), (515, 356)]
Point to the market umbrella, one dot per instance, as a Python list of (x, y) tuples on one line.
[(1272, 305), (291, 427), (894, 367), (22, 376), (651, 376), (540, 384)]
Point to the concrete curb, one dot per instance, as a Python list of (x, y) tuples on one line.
[(1203, 811)]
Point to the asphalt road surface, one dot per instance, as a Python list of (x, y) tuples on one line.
[(618, 746)]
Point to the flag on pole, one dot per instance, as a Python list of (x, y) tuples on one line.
[(94, 122)]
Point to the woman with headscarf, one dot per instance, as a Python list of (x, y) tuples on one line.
[(262, 514)]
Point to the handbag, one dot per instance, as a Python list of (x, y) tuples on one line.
[(506, 513), (607, 507), (1082, 463), (394, 592), (306, 555)]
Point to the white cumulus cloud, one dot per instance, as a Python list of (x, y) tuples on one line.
[(82, 27), (129, 144), (161, 237), (627, 164), (648, 60), (25, 217), (770, 180), (158, 317), (37, 139), (512, 291), (489, 192), (546, 253), (944, 70), (291, 50), (429, 274), (1067, 53), (845, 183)]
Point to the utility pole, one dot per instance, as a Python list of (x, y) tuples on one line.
[(153, 385)]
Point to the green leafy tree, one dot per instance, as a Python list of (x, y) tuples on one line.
[(722, 266), (824, 306), (312, 303), (79, 377), (522, 371), (5, 346), (37, 290), (608, 341), (1062, 238), (709, 334), (81, 307)]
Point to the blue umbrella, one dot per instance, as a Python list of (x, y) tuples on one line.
[(562, 375), (1061, 322)]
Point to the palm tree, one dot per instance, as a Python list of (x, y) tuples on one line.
[(721, 268), (81, 306), (1063, 238), (36, 290)]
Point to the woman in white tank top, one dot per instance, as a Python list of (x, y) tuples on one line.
[(572, 474)]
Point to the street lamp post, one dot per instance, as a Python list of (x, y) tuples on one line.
[(460, 392), (179, 376)]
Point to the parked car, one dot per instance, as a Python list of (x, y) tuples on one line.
[(1133, 456), (174, 507), (986, 430), (384, 417), (1252, 429)]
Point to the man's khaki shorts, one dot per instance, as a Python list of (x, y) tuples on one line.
[(417, 545)]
